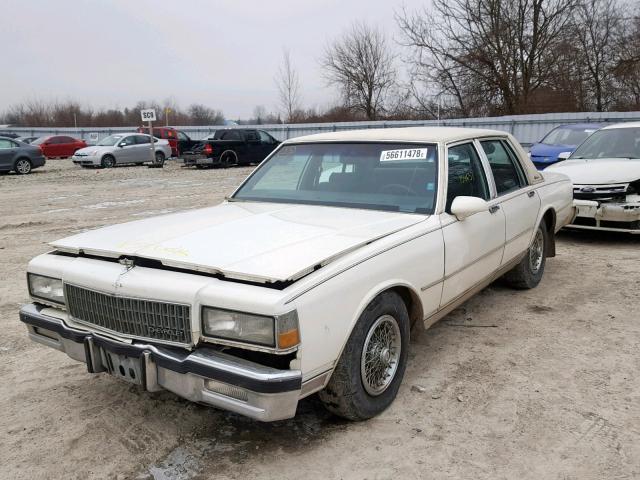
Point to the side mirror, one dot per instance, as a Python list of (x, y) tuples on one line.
[(463, 207), (564, 155), (122, 144)]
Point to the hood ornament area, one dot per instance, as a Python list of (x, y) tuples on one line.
[(128, 263)]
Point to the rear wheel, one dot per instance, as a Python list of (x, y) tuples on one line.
[(23, 166), (108, 161), (228, 159), (159, 160), (528, 273), (368, 375)]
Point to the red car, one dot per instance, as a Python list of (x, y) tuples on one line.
[(58, 145), (179, 141)]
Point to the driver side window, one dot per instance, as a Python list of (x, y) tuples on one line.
[(466, 175)]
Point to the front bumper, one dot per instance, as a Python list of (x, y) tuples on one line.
[(86, 160), (613, 217), (204, 375)]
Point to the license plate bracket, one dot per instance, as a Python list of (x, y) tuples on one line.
[(126, 368)]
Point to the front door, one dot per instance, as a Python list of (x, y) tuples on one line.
[(126, 151), (518, 200), (473, 246)]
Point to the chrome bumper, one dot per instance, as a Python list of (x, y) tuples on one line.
[(204, 375)]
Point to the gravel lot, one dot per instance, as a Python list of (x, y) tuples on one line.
[(535, 384)]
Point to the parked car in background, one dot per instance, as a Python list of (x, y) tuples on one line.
[(309, 277), (8, 134), (26, 139), (19, 157), (230, 147), (179, 141), (564, 138), (123, 148), (605, 171), (59, 146)]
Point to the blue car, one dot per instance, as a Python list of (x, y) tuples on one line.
[(564, 138)]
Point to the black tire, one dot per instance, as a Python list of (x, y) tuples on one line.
[(139, 163), (228, 159), (22, 166), (528, 273), (159, 160), (346, 395), (108, 161)]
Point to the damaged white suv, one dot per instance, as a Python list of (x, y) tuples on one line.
[(605, 171), (308, 278)]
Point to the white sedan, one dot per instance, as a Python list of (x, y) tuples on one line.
[(605, 171), (310, 276)]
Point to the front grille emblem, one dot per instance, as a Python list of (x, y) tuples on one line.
[(587, 189), (127, 262)]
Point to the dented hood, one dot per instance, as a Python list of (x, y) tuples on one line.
[(261, 242)]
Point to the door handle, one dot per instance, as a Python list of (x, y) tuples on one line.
[(531, 193), (494, 208)]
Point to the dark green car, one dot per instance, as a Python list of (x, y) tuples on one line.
[(19, 157)]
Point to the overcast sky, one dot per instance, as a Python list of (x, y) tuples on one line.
[(222, 53)]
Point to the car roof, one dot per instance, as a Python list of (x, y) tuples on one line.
[(623, 125), (408, 134), (580, 126)]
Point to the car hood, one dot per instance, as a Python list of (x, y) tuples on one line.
[(551, 151), (93, 149), (260, 242), (599, 171)]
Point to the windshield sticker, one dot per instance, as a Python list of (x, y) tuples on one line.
[(404, 154)]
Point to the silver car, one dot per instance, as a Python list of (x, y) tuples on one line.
[(123, 148)]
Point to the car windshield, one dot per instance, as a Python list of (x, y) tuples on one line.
[(398, 177), (611, 143), (567, 136), (109, 141)]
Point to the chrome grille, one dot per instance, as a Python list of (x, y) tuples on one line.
[(167, 322)]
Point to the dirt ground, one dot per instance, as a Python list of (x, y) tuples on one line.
[(540, 384)]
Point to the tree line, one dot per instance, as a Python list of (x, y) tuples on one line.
[(452, 58)]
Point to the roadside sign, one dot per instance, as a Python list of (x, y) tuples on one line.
[(93, 136), (148, 115)]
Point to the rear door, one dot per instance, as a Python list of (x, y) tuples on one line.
[(66, 146), (142, 152), (519, 201), (7, 152), (473, 246)]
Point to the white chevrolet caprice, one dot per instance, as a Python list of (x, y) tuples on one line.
[(309, 277)]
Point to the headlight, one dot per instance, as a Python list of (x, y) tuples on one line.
[(46, 288), (279, 332)]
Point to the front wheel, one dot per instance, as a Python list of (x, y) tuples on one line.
[(368, 375), (528, 273), (108, 161)]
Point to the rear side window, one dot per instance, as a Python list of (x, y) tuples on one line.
[(142, 139), (507, 172), (4, 143), (230, 135), (252, 136), (65, 140)]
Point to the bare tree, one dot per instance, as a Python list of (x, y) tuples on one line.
[(361, 65), (288, 84), (597, 24), (487, 52)]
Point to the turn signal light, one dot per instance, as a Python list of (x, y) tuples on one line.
[(288, 339), (208, 149)]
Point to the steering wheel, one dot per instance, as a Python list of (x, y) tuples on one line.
[(393, 188)]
